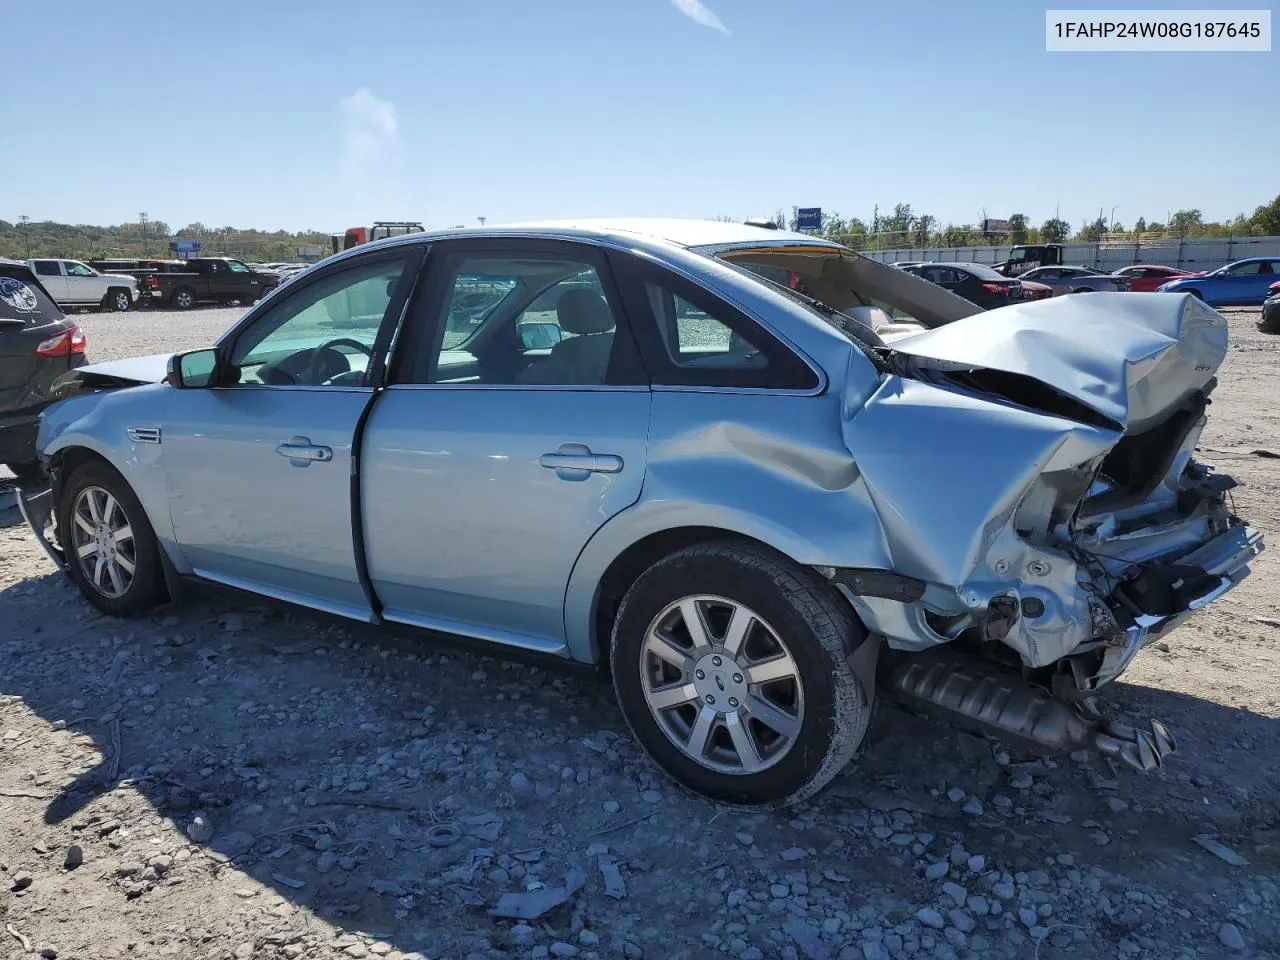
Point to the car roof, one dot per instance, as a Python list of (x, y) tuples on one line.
[(703, 236)]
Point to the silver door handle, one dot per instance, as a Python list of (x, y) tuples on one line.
[(590, 462), (305, 451)]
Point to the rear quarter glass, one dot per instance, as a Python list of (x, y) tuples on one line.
[(22, 298)]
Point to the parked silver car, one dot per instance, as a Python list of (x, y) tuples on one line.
[(1076, 280), (623, 444)]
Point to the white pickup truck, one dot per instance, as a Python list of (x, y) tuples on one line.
[(75, 284)]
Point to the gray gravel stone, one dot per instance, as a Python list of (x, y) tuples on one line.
[(956, 892), (937, 870), (1229, 936), (962, 921), (930, 918)]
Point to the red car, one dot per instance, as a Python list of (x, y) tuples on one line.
[(1145, 277), (1036, 291)]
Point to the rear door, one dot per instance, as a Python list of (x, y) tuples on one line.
[(219, 279), (514, 427), (52, 277)]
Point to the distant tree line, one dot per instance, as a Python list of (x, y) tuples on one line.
[(133, 240), (901, 228), (906, 228)]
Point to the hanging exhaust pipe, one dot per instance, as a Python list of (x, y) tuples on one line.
[(987, 699)]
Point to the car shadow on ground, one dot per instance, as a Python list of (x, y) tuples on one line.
[(380, 785)]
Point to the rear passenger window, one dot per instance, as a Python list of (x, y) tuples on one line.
[(48, 268), (692, 338)]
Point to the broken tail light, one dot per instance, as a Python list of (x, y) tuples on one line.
[(65, 344)]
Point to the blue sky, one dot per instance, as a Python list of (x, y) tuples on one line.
[(324, 114)]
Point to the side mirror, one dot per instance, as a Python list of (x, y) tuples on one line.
[(199, 368), (540, 336)]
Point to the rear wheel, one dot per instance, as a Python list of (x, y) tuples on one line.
[(732, 669), (184, 298), (112, 553)]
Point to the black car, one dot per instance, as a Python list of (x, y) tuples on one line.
[(37, 345), (976, 282), (1270, 322)]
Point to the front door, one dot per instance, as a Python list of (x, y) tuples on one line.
[(514, 428), (259, 471), (83, 284)]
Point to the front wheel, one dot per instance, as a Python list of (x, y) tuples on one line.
[(118, 300), (732, 669), (112, 553)]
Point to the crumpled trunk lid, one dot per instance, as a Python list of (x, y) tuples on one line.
[(1132, 359)]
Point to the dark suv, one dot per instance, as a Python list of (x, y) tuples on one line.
[(37, 345)]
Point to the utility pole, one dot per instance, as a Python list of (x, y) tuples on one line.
[(482, 220), (26, 237), (142, 222)]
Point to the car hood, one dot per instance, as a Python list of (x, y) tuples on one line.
[(121, 373), (1129, 357)]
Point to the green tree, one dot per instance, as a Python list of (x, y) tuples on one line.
[(1187, 223), (1140, 226), (1055, 230), (1018, 228), (1265, 221)]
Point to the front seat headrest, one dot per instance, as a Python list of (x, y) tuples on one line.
[(583, 311)]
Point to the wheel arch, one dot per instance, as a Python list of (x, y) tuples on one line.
[(143, 474), (630, 542)]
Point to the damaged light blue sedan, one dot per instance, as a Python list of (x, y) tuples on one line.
[(755, 476)]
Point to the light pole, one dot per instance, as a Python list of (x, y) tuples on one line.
[(142, 221), (1113, 217), (26, 237), (482, 220)]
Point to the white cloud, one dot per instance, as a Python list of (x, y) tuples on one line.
[(370, 132), (696, 12)]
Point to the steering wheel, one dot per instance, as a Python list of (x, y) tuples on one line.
[(327, 362)]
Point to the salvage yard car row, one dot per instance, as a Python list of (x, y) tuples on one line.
[(1242, 283), (754, 504)]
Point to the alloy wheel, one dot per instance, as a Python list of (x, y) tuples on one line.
[(122, 301), (722, 684), (102, 542)]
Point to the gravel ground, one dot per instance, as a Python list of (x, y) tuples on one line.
[(239, 780)]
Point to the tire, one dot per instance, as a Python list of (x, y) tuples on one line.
[(184, 298), (1197, 294), (118, 299), (1083, 290), (95, 483), (788, 611)]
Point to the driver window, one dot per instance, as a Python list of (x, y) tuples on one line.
[(323, 334), (78, 270), (1244, 270), (237, 267)]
